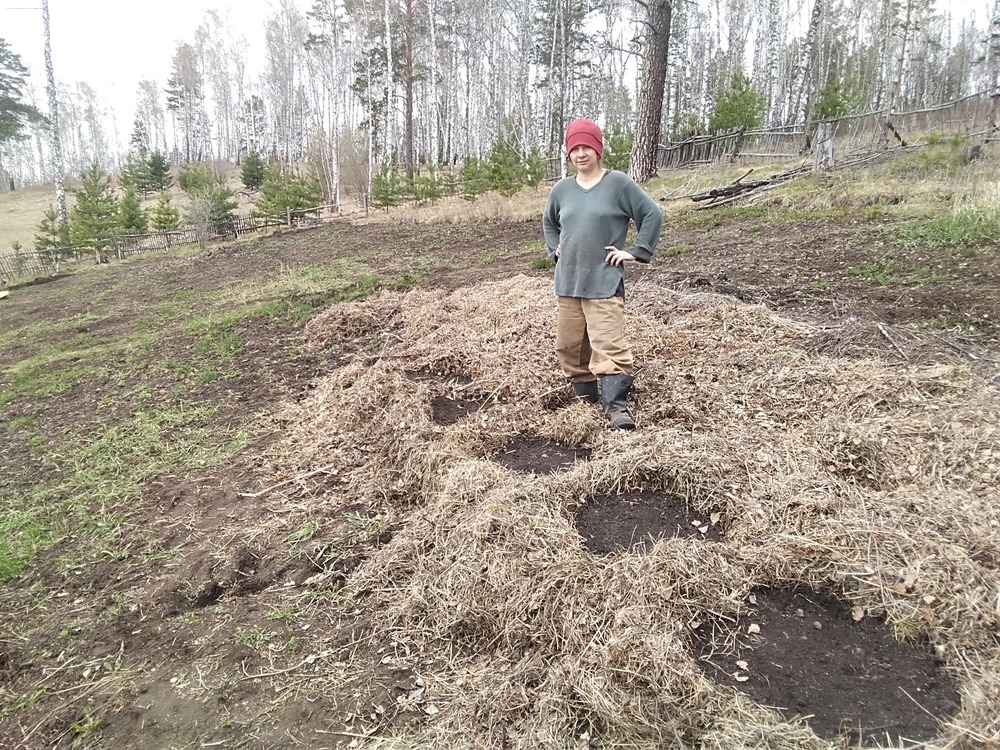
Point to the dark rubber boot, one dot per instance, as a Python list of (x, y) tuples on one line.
[(587, 392), (615, 390)]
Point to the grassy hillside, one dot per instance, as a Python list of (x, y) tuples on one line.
[(326, 488)]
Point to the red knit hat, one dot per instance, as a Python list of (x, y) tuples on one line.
[(584, 132)]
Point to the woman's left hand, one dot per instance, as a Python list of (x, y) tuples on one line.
[(616, 257)]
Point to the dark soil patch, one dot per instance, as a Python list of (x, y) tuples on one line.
[(535, 455), (633, 522), (449, 406), (448, 410), (811, 658)]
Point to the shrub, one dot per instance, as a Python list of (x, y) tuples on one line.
[(253, 172), (283, 191)]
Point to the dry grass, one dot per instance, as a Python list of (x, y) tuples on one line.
[(23, 210), (874, 482), (20, 213)]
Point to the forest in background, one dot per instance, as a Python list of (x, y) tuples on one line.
[(349, 85)]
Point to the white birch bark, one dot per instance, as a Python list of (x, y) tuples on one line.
[(58, 169)]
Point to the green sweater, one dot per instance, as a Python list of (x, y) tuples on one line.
[(582, 222)]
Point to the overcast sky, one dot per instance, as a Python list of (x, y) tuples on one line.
[(114, 44)]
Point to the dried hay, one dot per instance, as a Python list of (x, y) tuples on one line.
[(876, 483)]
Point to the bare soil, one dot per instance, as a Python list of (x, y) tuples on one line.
[(93, 648)]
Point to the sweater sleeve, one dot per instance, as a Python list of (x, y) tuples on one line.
[(648, 220), (551, 226)]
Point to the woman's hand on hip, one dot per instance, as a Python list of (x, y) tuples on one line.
[(616, 257)]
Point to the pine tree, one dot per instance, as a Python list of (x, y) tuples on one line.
[(52, 237), (195, 177), (131, 217), (139, 142), (836, 99), (504, 167), (739, 106), (211, 199), (164, 216), (426, 188), (95, 213), (535, 167), (474, 178), (619, 150), (15, 114), (253, 171), (159, 171), (387, 189), (283, 191), (135, 174), (220, 202)]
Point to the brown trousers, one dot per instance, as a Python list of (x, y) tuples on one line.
[(590, 338)]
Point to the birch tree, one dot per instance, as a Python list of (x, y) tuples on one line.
[(563, 63), (802, 81), (58, 168), (329, 62), (286, 33), (185, 99), (150, 111)]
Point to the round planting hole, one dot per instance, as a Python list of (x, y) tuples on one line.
[(811, 655), (446, 410), (535, 455), (632, 522), (449, 407)]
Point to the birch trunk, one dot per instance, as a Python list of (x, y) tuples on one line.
[(897, 82), (58, 171), (804, 74), (408, 90), (435, 114), (390, 94)]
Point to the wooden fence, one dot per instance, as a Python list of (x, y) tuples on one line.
[(50, 261), (971, 117)]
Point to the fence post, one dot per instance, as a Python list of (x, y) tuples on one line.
[(288, 216)]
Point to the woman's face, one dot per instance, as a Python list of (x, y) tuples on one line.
[(584, 158)]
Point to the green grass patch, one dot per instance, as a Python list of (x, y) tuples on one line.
[(925, 275), (20, 534), (542, 262), (680, 249), (20, 423), (103, 471), (966, 229), (296, 311), (43, 376), (879, 272), (220, 341)]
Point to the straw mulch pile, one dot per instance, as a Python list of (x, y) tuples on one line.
[(872, 482)]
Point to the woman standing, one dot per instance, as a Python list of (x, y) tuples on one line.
[(585, 225)]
